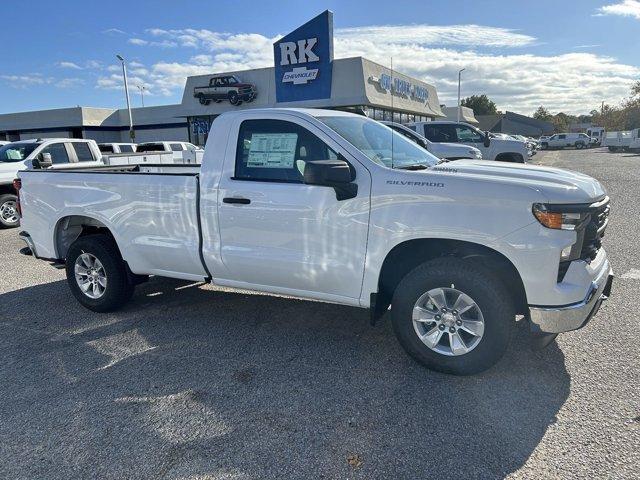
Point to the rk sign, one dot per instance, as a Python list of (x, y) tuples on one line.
[(303, 61)]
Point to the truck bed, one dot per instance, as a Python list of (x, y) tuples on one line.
[(151, 209)]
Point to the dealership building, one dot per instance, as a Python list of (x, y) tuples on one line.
[(304, 75)]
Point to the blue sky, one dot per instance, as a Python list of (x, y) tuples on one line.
[(566, 55)]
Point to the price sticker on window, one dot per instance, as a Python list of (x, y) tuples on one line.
[(272, 150)]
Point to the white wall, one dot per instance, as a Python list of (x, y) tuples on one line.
[(156, 134), (48, 134)]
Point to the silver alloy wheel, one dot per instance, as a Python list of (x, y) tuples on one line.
[(9, 211), (90, 275), (448, 321)]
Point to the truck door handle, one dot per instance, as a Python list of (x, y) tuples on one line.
[(239, 200)]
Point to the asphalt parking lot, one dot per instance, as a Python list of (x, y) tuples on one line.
[(190, 381)]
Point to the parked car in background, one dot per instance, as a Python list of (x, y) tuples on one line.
[(444, 151), (183, 152), (3, 142), (596, 134), (117, 147), (619, 141), (498, 149), (634, 146), (563, 140), (336, 207), (39, 153)]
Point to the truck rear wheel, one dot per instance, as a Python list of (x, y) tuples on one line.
[(452, 315), (9, 217), (97, 275)]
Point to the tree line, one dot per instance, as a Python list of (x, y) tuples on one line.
[(625, 116)]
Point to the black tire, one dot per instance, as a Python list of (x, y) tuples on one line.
[(8, 211), (201, 99), (482, 286), (544, 146), (579, 145), (234, 99), (119, 288)]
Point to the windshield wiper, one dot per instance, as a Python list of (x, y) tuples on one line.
[(415, 166)]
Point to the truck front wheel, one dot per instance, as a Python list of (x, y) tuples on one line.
[(97, 275), (452, 315)]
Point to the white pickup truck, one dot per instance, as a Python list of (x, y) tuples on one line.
[(337, 207), (444, 151), (37, 153), (183, 152), (499, 149)]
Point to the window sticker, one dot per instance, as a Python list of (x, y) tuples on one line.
[(272, 150)]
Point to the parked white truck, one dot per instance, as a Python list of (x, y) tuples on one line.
[(462, 133), (336, 207), (618, 141), (45, 153), (444, 151), (182, 152)]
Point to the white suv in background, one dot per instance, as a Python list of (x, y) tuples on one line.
[(117, 147), (562, 140), (45, 153), (492, 148), (444, 151)]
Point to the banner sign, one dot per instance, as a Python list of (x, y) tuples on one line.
[(303, 61)]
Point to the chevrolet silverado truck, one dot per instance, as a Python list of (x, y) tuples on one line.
[(337, 207), (444, 151), (38, 153), (225, 87), (498, 149)]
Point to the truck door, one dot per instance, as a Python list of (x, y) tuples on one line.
[(279, 233), (469, 136)]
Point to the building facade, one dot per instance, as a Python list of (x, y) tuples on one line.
[(514, 123), (357, 85)]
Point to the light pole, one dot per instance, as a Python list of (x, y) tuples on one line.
[(459, 106), (132, 134), (142, 88)]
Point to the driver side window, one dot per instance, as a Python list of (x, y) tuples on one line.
[(467, 135), (58, 153), (276, 151)]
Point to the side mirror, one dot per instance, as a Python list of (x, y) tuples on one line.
[(331, 173), (43, 161), (487, 139)]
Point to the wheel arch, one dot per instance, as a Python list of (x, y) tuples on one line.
[(407, 255), (71, 227)]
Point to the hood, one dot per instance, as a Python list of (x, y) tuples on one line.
[(557, 185), (9, 171)]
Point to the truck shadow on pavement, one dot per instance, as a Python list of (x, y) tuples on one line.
[(188, 381)]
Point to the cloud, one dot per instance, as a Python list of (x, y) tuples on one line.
[(573, 82), (626, 8), (163, 43), (24, 81), (69, 83), (468, 35), (114, 31), (71, 65)]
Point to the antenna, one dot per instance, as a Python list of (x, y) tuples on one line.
[(392, 116)]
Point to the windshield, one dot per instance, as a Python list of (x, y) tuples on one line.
[(380, 143), (15, 152)]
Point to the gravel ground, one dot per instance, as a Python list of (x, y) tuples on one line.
[(190, 381)]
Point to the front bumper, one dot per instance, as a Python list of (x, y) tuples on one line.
[(572, 317)]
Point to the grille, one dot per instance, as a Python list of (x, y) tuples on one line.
[(594, 230)]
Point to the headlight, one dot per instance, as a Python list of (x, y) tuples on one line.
[(554, 217), (476, 154)]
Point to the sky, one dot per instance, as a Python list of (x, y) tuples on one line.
[(566, 55)]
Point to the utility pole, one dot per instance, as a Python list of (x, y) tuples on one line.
[(142, 88), (459, 106), (132, 134)]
